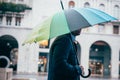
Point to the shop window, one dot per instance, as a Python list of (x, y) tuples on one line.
[(71, 4), (18, 21), (8, 20), (115, 29), (43, 61), (96, 67)]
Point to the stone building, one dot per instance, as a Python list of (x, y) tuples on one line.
[(100, 49)]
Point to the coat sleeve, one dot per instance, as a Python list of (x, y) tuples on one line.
[(61, 52)]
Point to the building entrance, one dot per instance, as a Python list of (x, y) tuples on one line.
[(99, 59), (9, 52)]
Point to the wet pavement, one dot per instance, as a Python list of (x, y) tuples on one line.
[(44, 77)]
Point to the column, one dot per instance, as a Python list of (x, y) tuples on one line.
[(13, 21), (28, 59), (23, 59), (85, 56), (115, 62), (33, 58)]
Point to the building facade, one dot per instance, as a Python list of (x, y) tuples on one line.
[(100, 49)]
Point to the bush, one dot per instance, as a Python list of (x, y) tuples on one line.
[(4, 7)]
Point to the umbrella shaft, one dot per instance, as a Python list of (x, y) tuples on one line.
[(61, 4)]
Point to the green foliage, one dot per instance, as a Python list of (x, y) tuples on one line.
[(4, 7)]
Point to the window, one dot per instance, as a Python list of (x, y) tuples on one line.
[(116, 11), (8, 20), (71, 4), (101, 28), (43, 62), (102, 7), (115, 29), (86, 4), (18, 21)]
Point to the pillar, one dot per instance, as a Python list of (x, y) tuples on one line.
[(13, 21), (28, 59), (85, 55), (33, 58), (115, 62)]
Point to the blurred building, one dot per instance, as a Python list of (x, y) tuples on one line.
[(100, 48)]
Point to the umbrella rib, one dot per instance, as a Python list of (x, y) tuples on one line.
[(98, 14), (95, 14)]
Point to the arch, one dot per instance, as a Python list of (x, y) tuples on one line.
[(101, 42), (7, 44), (116, 6), (99, 59), (86, 4), (71, 4)]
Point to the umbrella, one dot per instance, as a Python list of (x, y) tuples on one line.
[(67, 21)]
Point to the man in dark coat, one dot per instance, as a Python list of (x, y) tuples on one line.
[(63, 62)]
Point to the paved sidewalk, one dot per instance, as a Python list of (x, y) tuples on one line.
[(44, 77)]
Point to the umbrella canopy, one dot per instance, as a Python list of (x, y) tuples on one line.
[(67, 21)]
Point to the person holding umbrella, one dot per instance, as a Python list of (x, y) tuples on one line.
[(63, 62)]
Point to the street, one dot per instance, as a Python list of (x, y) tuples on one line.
[(44, 77)]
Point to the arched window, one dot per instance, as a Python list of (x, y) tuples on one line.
[(116, 11), (102, 7), (71, 4), (86, 4)]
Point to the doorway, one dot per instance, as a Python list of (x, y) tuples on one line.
[(99, 59), (9, 49)]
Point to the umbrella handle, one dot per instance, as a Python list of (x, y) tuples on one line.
[(86, 76)]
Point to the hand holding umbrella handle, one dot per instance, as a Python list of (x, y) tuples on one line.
[(86, 76)]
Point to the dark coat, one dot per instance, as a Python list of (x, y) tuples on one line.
[(63, 64)]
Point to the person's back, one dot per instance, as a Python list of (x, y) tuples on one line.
[(63, 64)]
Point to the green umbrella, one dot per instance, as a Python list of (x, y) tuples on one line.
[(67, 21)]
